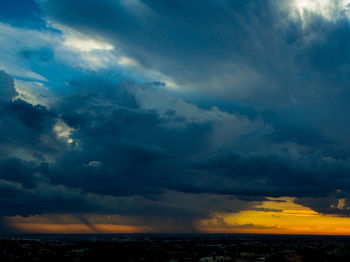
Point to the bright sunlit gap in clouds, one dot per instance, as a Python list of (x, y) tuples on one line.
[(328, 9), (82, 42)]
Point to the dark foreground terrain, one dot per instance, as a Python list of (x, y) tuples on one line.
[(173, 248)]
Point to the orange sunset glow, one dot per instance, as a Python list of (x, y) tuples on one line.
[(274, 216), (279, 218), (78, 228)]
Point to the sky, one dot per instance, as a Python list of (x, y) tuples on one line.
[(150, 116)]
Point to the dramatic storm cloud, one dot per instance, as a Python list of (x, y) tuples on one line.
[(168, 113)]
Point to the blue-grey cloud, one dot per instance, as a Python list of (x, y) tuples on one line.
[(120, 149), (261, 109)]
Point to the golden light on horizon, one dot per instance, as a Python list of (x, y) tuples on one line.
[(42, 228), (276, 217), (273, 216)]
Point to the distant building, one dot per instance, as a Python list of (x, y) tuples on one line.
[(214, 259), (251, 257), (293, 257)]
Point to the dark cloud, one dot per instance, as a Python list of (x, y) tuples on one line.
[(222, 44), (7, 91), (22, 125), (251, 50), (124, 159), (123, 150), (292, 67), (331, 205), (20, 171), (281, 129), (34, 117)]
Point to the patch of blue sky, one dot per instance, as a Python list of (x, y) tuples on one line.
[(24, 13)]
